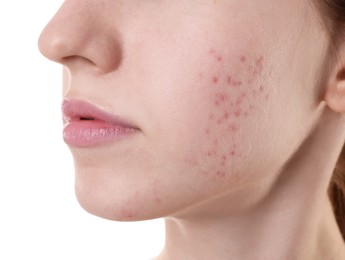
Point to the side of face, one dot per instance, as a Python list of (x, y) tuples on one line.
[(223, 93)]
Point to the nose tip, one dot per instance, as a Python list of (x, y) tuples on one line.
[(53, 46), (69, 37)]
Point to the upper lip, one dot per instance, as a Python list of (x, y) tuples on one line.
[(79, 110)]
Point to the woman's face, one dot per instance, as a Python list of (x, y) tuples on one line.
[(221, 93)]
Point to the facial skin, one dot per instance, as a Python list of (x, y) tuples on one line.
[(223, 93)]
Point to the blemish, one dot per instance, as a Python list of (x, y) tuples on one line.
[(243, 59), (127, 214), (211, 116), (261, 88), (260, 62), (221, 96), (215, 80), (238, 113), (237, 83), (220, 174), (226, 115), (233, 153), (233, 128)]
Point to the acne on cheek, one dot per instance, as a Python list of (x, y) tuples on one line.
[(233, 99)]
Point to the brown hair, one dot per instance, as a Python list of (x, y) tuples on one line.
[(334, 13)]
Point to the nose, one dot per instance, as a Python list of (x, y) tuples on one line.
[(81, 35)]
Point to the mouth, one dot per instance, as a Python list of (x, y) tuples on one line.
[(87, 125)]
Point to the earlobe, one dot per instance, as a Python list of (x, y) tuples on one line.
[(335, 93)]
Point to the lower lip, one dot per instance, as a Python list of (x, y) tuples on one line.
[(92, 133)]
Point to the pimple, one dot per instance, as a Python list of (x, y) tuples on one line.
[(260, 62), (226, 115), (233, 128), (211, 116), (229, 80), (261, 88), (220, 174), (215, 55), (215, 79), (238, 113), (126, 213), (243, 59)]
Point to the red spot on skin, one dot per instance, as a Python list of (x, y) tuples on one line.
[(226, 115), (260, 63), (216, 103), (207, 131), (232, 153), (261, 88), (219, 58), (158, 200), (127, 214), (233, 128), (232, 82), (215, 80), (212, 152), (238, 113), (220, 174), (229, 80), (243, 59), (211, 117), (221, 97), (238, 83)]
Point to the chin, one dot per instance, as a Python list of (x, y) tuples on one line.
[(118, 199)]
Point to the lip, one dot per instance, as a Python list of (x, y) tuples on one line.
[(87, 125)]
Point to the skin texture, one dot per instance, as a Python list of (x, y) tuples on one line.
[(228, 97)]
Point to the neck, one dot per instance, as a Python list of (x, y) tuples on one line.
[(293, 221)]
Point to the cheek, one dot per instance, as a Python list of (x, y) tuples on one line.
[(235, 92)]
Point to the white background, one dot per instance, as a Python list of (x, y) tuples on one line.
[(39, 215)]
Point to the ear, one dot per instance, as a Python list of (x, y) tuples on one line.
[(335, 92)]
